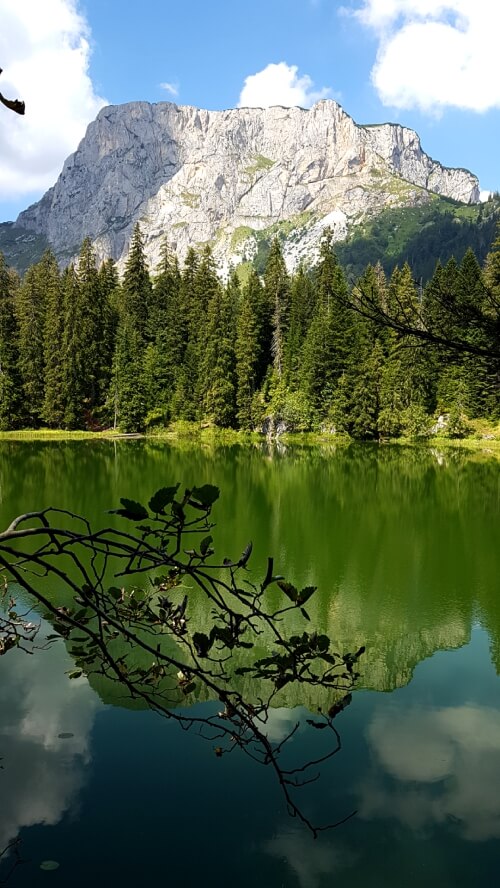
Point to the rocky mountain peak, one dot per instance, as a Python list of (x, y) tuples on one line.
[(229, 178)]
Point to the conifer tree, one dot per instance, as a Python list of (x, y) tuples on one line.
[(183, 404), (277, 289), (248, 349), (407, 374), (73, 353), (111, 299), (10, 381), (328, 345), (302, 304), (217, 380), (365, 400), (136, 285), (127, 396), (30, 305), (94, 320), (53, 403), (168, 336)]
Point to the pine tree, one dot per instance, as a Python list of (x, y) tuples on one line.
[(10, 380), (248, 350), (168, 336), (277, 289), (53, 404), (407, 375), (479, 376), (217, 381), (73, 353), (86, 342), (111, 299), (136, 285), (94, 318), (302, 304), (127, 395), (327, 347), (183, 404), (365, 401), (30, 305)]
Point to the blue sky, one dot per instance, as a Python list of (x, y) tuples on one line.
[(429, 64)]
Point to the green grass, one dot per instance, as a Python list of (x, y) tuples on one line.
[(58, 435), (240, 235), (244, 270), (190, 199), (260, 164), (421, 235)]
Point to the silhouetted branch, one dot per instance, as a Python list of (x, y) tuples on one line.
[(107, 627), (13, 104)]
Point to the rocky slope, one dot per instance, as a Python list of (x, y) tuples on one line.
[(231, 177)]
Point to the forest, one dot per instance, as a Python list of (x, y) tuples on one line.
[(82, 349)]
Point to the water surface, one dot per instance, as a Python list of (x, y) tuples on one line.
[(402, 544)]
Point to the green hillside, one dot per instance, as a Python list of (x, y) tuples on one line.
[(421, 236)]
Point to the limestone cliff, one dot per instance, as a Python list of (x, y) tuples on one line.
[(224, 176)]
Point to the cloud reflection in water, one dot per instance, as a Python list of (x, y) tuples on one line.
[(42, 772), (438, 765)]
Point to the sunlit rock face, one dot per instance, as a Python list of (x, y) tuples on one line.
[(221, 177)]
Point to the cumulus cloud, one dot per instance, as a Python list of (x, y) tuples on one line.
[(171, 88), (435, 54), (443, 764), (44, 737), (309, 860), (44, 51), (280, 84)]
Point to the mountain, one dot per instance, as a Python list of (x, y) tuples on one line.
[(232, 179)]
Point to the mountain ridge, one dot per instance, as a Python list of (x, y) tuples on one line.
[(224, 177)]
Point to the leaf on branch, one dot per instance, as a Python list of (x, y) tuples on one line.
[(289, 589), (76, 673), (305, 594), (206, 495), (131, 510), (162, 498), (245, 555), (269, 575), (339, 706), (202, 643), (318, 725), (205, 545), (178, 511), (322, 643)]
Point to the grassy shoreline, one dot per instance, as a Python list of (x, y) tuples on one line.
[(486, 441)]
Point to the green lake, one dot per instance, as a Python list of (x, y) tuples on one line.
[(403, 545)]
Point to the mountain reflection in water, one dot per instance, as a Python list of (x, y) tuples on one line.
[(403, 545)]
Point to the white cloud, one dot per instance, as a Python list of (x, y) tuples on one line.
[(280, 84), (171, 88), (435, 54), (310, 860), (43, 772), (44, 51), (485, 195), (443, 766)]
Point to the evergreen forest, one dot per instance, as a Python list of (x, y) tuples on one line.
[(82, 349)]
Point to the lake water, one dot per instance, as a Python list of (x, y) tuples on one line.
[(403, 545)]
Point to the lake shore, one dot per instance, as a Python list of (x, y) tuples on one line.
[(484, 437)]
